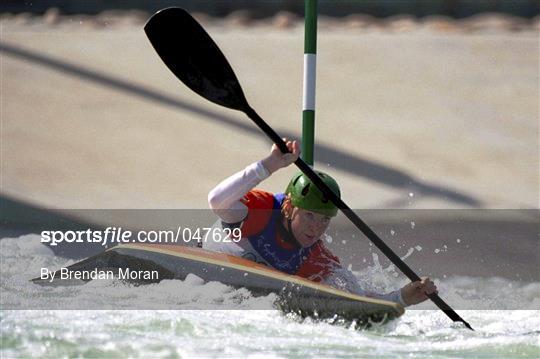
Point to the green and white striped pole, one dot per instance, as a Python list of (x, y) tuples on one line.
[(310, 65)]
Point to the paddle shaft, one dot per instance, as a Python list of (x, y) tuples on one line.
[(199, 63), (368, 232)]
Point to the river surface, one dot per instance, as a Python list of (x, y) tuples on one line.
[(191, 323)]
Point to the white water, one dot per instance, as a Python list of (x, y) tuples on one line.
[(246, 333)]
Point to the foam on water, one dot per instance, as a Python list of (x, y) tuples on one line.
[(22, 259), (247, 333)]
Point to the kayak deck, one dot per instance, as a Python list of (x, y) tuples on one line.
[(295, 294)]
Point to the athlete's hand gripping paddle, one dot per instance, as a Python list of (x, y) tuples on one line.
[(190, 53)]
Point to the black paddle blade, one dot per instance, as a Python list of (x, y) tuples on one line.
[(191, 54)]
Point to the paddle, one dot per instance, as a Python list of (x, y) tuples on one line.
[(190, 53)]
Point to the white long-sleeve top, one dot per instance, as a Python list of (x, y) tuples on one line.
[(224, 199), (225, 202)]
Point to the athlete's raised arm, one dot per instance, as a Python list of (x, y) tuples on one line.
[(224, 199)]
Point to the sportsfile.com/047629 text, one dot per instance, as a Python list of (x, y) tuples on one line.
[(118, 235)]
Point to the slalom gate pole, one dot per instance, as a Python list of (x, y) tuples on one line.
[(310, 65)]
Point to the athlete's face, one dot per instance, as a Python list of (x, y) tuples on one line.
[(308, 226)]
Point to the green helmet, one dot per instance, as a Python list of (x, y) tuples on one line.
[(304, 194)]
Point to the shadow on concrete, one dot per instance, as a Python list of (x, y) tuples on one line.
[(354, 165), (18, 218)]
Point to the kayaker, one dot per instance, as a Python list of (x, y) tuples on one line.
[(284, 230)]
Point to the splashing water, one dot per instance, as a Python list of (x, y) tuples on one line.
[(248, 332)]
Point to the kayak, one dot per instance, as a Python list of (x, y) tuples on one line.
[(156, 262)]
